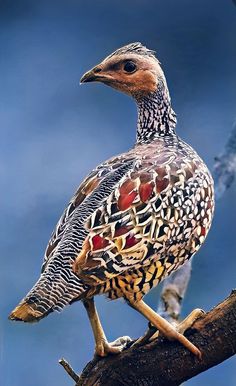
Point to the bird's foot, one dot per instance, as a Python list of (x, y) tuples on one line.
[(190, 320), (174, 335), (103, 348), (182, 326), (152, 333)]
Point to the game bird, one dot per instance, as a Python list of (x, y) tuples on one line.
[(135, 218)]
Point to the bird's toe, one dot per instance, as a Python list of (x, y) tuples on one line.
[(190, 320), (117, 346)]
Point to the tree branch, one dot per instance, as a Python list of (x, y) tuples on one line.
[(173, 292), (164, 363), (225, 165)]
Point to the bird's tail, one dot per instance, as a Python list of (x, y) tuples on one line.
[(27, 312), (50, 293)]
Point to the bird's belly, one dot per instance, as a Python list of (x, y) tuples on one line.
[(172, 227), (178, 247), (138, 283)]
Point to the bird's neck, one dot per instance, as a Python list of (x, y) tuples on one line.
[(156, 118)]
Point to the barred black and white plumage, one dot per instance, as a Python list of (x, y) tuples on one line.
[(136, 217)]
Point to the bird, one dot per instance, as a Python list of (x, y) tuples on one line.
[(135, 218)]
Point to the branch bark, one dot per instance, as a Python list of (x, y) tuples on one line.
[(164, 363)]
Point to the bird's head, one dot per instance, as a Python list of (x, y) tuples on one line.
[(132, 69)]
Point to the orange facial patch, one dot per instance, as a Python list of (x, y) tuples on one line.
[(143, 81)]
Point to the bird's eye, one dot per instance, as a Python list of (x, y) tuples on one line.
[(130, 67)]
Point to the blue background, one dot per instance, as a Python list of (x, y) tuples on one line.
[(53, 132)]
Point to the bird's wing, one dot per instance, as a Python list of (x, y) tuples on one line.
[(97, 177), (132, 225), (83, 191)]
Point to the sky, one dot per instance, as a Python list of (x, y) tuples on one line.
[(54, 131)]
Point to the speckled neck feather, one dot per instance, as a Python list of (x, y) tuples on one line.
[(156, 118)]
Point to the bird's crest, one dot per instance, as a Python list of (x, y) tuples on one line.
[(134, 48)]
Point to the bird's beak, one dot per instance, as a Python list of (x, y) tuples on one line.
[(89, 76), (96, 74)]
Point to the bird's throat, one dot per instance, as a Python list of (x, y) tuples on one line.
[(156, 118)]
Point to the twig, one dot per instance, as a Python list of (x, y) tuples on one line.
[(69, 369)]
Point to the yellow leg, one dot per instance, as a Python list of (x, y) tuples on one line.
[(164, 326), (102, 347)]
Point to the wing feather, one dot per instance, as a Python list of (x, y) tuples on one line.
[(85, 190), (147, 217)]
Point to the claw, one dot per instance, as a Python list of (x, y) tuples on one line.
[(104, 348)]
